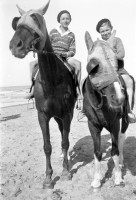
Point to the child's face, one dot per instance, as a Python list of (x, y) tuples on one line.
[(65, 20), (105, 31)]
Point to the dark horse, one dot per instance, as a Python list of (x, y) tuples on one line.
[(105, 104), (55, 90)]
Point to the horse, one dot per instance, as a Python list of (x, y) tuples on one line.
[(105, 104), (54, 90)]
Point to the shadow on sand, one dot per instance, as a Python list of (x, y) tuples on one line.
[(9, 117), (130, 154), (82, 152)]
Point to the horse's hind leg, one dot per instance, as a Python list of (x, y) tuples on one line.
[(97, 155), (115, 153), (44, 124)]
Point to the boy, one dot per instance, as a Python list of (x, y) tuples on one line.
[(104, 27)]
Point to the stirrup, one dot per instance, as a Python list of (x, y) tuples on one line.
[(29, 103), (80, 115)]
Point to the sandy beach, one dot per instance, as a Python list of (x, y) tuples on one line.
[(23, 161)]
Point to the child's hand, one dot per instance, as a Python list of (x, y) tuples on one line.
[(64, 55), (111, 39)]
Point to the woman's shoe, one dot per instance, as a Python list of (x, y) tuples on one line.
[(29, 96)]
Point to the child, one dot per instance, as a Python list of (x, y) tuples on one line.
[(63, 43), (104, 27)]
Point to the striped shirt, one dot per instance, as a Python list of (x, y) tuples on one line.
[(63, 43)]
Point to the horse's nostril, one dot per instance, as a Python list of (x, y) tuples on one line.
[(20, 43)]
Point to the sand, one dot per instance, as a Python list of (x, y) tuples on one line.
[(23, 161)]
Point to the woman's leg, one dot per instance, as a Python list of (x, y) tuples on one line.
[(129, 85), (77, 66), (32, 66)]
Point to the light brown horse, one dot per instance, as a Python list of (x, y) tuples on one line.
[(105, 104)]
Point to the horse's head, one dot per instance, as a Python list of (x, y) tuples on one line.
[(102, 70), (30, 32)]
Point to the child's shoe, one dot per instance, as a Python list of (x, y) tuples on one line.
[(131, 117)]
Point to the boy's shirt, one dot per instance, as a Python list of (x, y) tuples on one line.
[(118, 48)]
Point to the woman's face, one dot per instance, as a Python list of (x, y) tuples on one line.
[(65, 20), (105, 31)]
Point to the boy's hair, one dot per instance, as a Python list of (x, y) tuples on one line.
[(62, 12), (101, 22)]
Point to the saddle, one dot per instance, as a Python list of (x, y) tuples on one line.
[(70, 68)]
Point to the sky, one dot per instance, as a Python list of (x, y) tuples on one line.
[(85, 15)]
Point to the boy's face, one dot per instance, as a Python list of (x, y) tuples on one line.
[(65, 20), (105, 31)]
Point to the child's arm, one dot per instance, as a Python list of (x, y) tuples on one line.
[(119, 49)]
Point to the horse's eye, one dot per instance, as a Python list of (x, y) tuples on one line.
[(36, 20)]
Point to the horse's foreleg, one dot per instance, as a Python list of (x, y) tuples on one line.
[(65, 145), (115, 153), (44, 124), (97, 155), (121, 139), (60, 125)]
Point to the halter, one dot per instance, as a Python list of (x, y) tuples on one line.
[(99, 88)]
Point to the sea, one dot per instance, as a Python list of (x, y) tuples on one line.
[(12, 96)]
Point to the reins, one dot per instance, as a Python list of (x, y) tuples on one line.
[(99, 106)]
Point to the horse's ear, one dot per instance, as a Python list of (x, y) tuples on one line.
[(20, 10), (14, 23), (44, 8), (88, 41)]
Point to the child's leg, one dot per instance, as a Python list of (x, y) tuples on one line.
[(129, 86)]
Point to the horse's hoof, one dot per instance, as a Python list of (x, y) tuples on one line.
[(96, 184), (48, 185), (65, 176), (118, 179), (121, 184)]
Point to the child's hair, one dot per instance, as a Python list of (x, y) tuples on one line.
[(101, 22), (62, 12)]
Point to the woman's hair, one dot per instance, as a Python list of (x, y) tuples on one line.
[(101, 22), (62, 12)]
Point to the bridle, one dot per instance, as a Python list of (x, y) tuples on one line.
[(100, 93), (100, 90), (34, 42)]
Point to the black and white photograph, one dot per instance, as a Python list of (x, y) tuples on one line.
[(68, 100)]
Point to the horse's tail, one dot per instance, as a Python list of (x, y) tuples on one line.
[(133, 95)]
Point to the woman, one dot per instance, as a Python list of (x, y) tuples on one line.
[(63, 43)]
